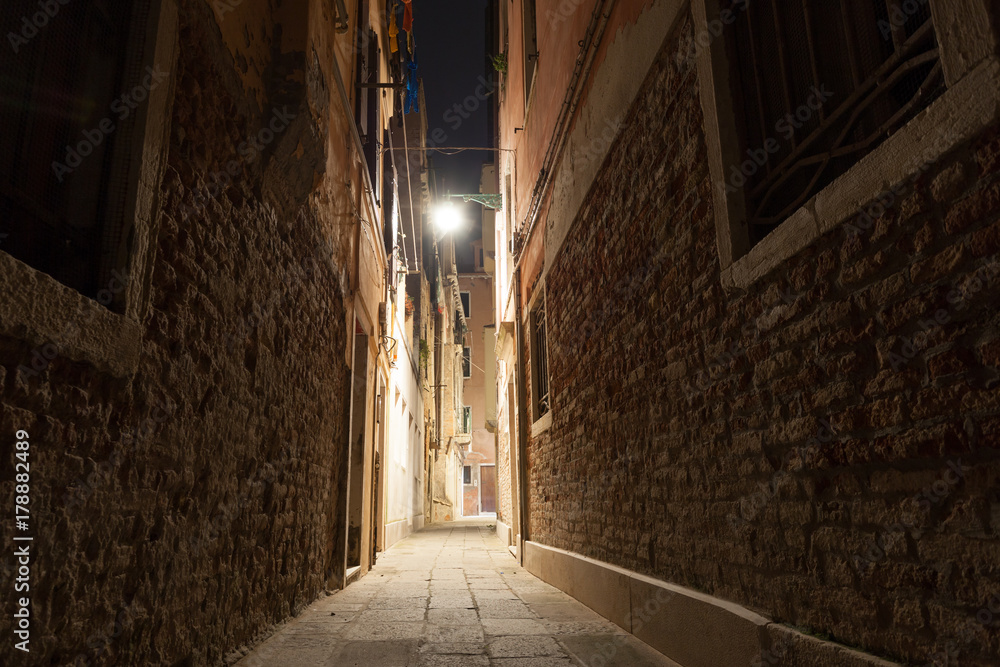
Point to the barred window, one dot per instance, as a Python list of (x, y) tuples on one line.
[(539, 362), (74, 89), (817, 86)]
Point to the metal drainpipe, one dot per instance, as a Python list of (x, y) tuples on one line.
[(588, 52), (522, 423), (438, 354)]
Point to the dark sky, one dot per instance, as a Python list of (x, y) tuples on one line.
[(451, 53)]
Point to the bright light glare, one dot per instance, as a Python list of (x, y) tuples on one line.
[(447, 218)]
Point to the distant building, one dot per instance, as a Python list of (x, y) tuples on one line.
[(479, 475)]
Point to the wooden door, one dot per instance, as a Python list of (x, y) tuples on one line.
[(488, 489)]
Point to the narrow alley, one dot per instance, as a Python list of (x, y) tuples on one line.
[(451, 595), (500, 332)]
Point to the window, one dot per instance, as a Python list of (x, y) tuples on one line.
[(816, 86), (466, 419), (466, 304), (466, 474), (530, 36), (539, 362), (368, 98), (466, 362), (75, 92), (390, 207)]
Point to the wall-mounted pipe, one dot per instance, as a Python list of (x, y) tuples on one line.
[(589, 46)]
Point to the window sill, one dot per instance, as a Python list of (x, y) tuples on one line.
[(44, 312), (542, 424), (959, 115)]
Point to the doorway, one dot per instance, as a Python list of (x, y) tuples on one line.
[(488, 489), (356, 454), (378, 474)]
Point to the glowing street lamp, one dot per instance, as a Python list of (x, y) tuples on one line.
[(447, 217)]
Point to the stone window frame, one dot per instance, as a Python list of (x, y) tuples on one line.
[(529, 26), (466, 311), (539, 424), (969, 105), (62, 322)]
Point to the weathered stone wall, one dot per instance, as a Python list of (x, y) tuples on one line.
[(803, 447), (181, 511), (504, 501)]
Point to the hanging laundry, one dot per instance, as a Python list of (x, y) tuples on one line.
[(407, 15), (412, 89), (393, 32)]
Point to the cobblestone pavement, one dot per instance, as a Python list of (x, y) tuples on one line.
[(450, 595)]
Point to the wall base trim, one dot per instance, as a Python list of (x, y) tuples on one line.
[(689, 627), (397, 530), (503, 533)]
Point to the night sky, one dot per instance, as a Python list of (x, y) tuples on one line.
[(451, 53)]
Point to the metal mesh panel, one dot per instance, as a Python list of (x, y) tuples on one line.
[(541, 362), (60, 136), (817, 86)]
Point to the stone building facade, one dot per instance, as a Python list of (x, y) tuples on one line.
[(479, 482), (752, 437), (206, 407)]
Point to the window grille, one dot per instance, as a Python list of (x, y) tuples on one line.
[(72, 100), (541, 364), (817, 86)]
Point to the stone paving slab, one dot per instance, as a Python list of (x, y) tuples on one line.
[(450, 595)]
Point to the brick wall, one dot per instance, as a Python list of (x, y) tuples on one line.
[(767, 446), (181, 511), (504, 501)]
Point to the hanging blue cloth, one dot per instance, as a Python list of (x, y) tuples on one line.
[(412, 88)]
